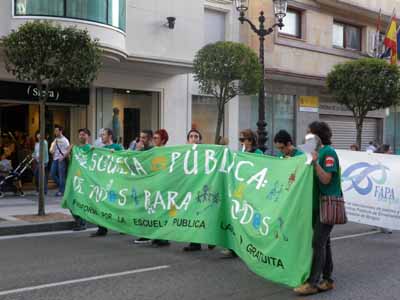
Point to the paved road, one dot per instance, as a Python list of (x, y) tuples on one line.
[(64, 266)]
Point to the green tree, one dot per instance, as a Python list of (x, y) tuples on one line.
[(364, 85), (51, 56), (225, 70)]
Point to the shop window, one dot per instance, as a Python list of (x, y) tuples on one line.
[(111, 12), (126, 112), (280, 114), (292, 23), (214, 26), (346, 36), (204, 117)]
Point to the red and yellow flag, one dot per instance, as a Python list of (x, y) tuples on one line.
[(391, 40)]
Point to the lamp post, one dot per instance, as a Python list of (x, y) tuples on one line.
[(280, 9)]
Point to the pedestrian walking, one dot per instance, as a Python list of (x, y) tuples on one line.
[(58, 149), (36, 154), (327, 168), (107, 140)]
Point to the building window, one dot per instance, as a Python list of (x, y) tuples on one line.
[(346, 36), (292, 23), (214, 26), (110, 12)]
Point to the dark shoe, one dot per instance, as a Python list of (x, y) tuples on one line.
[(306, 289), (98, 234), (326, 285), (80, 228), (160, 243), (211, 247), (191, 247), (142, 241)]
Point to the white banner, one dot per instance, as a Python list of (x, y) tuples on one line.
[(371, 188)]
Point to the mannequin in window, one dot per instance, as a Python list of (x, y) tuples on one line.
[(116, 125)]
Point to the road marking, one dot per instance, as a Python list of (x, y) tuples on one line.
[(355, 235), (67, 282), (38, 234)]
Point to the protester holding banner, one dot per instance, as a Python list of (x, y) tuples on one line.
[(194, 137), (145, 143), (284, 143), (248, 143), (107, 140), (327, 168), (83, 137)]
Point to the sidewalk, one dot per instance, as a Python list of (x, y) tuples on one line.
[(18, 215)]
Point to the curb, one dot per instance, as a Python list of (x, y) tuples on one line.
[(36, 227)]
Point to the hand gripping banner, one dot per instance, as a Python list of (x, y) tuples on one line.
[(259, 206)]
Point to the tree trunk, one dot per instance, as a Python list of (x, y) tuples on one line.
[(359, 127), (220, 119), (42, 124)]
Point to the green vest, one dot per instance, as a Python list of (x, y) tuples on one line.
[(329, 161)]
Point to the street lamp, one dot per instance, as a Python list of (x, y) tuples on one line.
[(280, 9)]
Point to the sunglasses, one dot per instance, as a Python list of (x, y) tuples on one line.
[(242, 140)]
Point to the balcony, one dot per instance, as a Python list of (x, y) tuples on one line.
[(108, 12)]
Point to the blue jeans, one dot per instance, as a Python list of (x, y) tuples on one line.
[(36, 174), (57, 172)]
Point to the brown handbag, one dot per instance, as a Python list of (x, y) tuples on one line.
[(332, 210)]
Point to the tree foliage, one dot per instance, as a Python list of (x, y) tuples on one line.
[(46, 53), (225, 70), (51, 56), (364, 85)]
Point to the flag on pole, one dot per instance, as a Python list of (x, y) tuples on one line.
[(391, 40)]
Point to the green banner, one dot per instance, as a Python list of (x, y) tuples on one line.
[(259, 206)]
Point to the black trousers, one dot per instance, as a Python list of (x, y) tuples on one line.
[(322, 263)]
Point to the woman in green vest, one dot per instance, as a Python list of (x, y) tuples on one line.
[(327, 169)]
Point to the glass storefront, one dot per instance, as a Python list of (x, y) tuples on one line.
[(204, 117), (280, 114), (110, 12), (127, 112)]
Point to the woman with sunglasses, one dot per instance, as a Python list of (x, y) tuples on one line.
[(248, 142)]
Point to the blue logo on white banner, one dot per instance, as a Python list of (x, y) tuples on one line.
[(371, 188)]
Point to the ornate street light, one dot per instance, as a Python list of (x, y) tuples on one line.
[(280, 9)]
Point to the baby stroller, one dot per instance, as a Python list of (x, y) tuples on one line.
[(12, 182)]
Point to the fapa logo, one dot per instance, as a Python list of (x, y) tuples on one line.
[(365, 178)]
